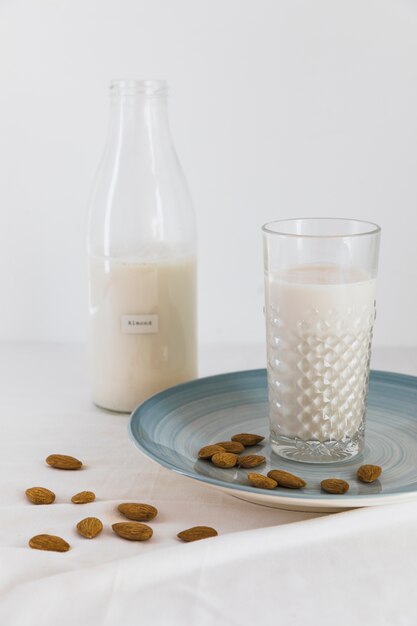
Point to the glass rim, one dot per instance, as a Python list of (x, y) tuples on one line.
[(373, 228)]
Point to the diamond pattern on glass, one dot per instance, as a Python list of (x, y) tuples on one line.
[(318, 373)]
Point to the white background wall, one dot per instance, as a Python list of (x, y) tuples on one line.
[(279, 108)]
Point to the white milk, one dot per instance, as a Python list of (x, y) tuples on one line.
[(142, 328), (320, 320)]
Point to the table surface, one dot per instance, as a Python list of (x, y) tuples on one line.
[(45, 409)]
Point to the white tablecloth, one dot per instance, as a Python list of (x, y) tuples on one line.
[(272, 566)]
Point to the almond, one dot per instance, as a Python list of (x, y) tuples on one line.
[(369, 473), (49, 542), (208, 451), (196, 533), (261, 481), (83, 497), (90, 527), (224, 459), (133, 531), (138, 512), (287, 480), (251, 460), (232, 446), (334, 485), (40, 495), (247, 439), (64, 462)]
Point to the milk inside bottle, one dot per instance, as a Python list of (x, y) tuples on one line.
[(142, 327)]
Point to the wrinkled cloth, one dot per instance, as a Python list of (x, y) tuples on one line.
[(269, 565)]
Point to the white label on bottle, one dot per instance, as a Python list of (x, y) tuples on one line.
[(139, 324)]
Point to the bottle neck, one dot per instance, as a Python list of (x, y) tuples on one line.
[(139, 113), (140, 205)]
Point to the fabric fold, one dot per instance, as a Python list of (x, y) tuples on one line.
[(339, 568)]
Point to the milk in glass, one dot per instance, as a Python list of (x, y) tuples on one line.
[(320, 320)]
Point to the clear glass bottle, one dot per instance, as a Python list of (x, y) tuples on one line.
[(142, 255)]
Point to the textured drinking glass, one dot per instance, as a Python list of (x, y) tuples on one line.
[(320, 279)]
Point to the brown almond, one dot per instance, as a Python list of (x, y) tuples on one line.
[(90, 527), (196, 533), (334, 485), (64, 462), (247, 439), (369, 473), (40, 495), (261, 481), (251, 460), (287, 480), (138, 512), (208, 451), (133, 531), (232, 446), (83, 497), (224, 459), (52, 543)]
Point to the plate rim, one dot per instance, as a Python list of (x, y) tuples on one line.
[(298, 499)]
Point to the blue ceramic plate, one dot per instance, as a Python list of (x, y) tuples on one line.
[(173, 425)]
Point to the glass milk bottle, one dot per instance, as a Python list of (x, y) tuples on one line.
[(142, 255)]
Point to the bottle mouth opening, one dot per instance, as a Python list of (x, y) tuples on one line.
[(132, 87)]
